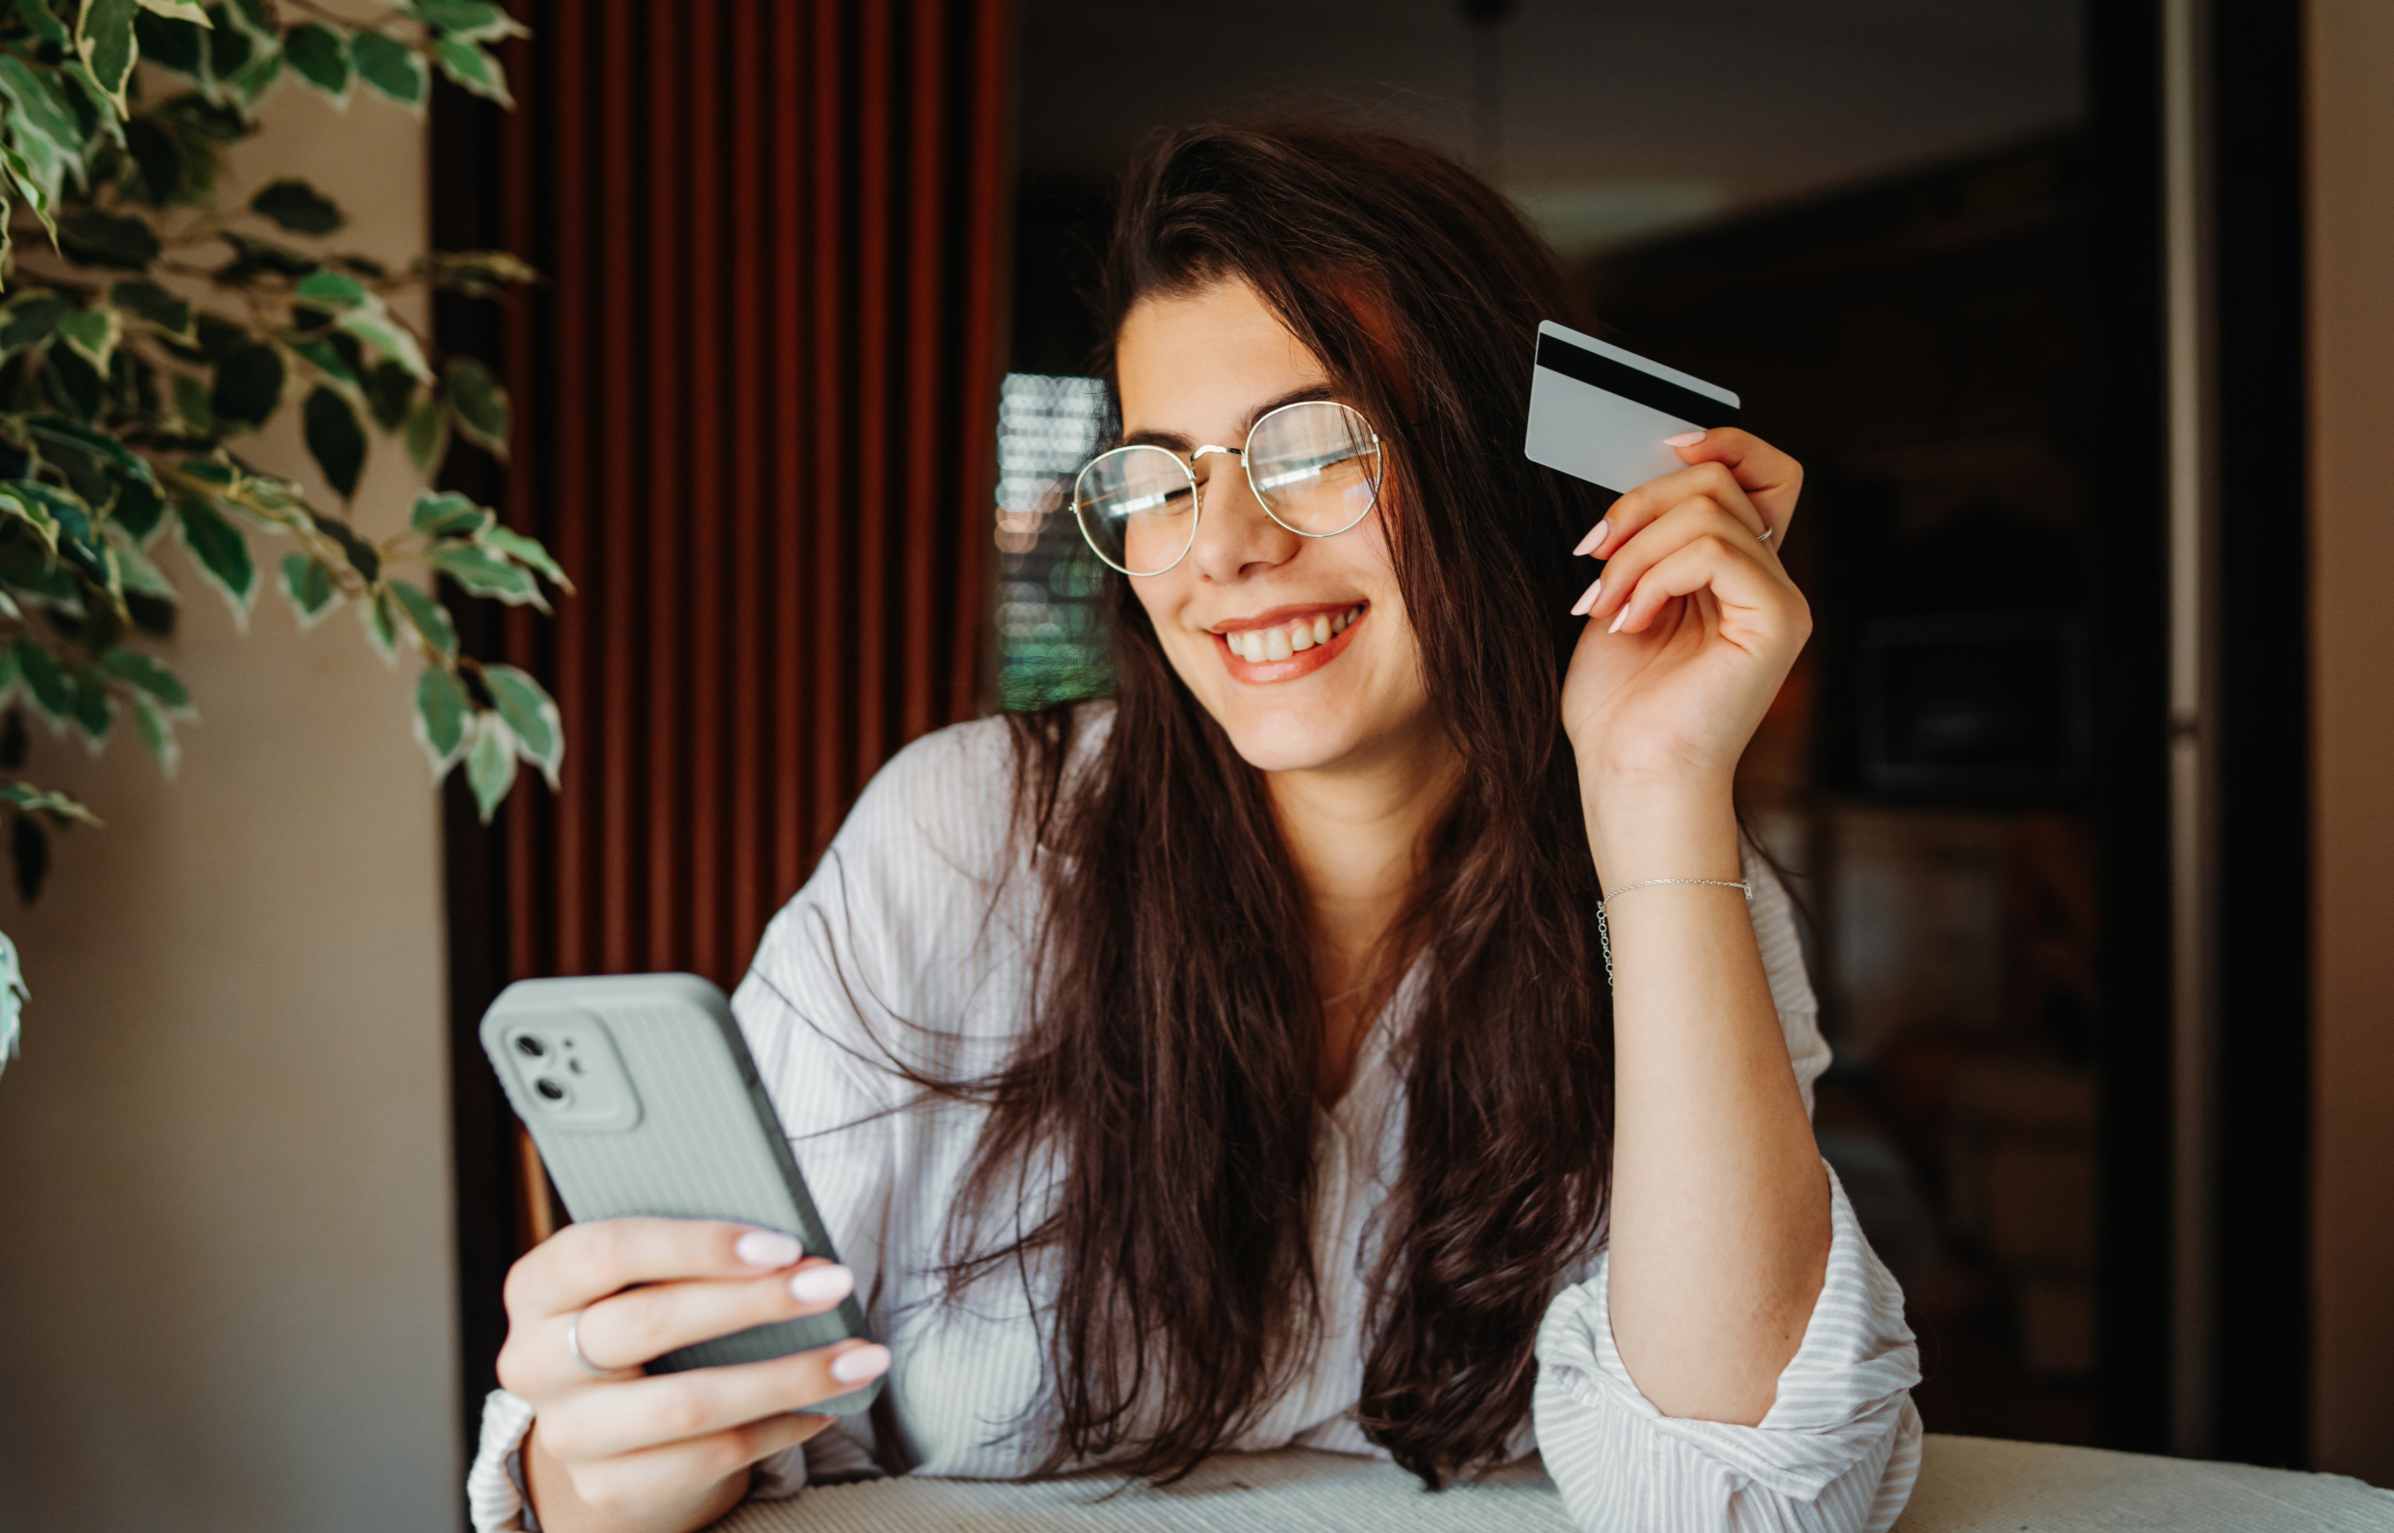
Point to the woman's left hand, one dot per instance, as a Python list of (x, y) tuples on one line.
[(1695, 623)]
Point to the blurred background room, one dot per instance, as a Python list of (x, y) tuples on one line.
[(2076, 314)]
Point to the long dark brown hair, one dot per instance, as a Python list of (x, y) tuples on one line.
[(1169, 1067)]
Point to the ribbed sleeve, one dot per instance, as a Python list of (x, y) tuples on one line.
[(1840, 1446)]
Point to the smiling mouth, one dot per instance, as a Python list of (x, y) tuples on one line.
[(1289, 650)]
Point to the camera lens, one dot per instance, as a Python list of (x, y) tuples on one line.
[(529, 1046), (550, 1089)]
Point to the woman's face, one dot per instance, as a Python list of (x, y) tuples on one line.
[(1194, 369)]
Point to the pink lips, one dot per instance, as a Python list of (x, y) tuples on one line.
[(1303, 663)]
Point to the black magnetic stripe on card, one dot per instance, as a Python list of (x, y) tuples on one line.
[(1559, 356)]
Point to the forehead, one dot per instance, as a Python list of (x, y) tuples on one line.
[(1194, 364)]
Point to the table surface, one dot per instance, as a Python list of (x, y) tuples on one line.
[(1966, 1483)]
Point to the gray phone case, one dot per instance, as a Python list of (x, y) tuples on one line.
[(662, 1114)]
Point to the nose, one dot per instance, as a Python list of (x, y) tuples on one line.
[(1234, 533)]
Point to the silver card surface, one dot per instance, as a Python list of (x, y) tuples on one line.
[(1600, 413)]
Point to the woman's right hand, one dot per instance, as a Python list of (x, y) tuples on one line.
[(646, 1451)]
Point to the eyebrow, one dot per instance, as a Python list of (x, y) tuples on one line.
[(1178, 443)]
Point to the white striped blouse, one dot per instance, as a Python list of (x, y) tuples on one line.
[(892, 921)]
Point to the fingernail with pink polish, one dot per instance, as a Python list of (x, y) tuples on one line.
[(1594, 539), (821, 1285), (863, 1363), (1587, 598), (766, 1248), (1618, 619), (1684, 439)]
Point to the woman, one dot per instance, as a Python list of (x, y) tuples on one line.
[(1272, 1090)]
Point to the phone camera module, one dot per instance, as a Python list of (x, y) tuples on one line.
[(530, 1046), (552, 1090)]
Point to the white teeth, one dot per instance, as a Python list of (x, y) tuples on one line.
[(1276, 644), (1248, 643), (1321, 628), (1300, 637)]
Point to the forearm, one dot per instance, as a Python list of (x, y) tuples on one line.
[(1720, 1207), (561, 1511)]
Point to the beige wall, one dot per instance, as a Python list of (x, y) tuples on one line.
[(2351, 194), (225, 1195)]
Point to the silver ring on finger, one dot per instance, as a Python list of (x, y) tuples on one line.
[(1766, 534), (573, 1343)]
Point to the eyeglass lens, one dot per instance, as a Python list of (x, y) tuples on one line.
[(1314, 465)]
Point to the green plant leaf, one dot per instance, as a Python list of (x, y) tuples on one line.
[(45, 23), (154, 305), (177, 45), (335, 439), (531, 714), (220, 551), (179, 10), (442, 709), (473, 67), (430, 618), (149, 721), (147, 675), (490, 762), (29, 186), (40, 108), (381, 625), (361, 554), (28, 799), (249, 386), (391, 67), (297, 206), (46, 681), (95, 710), (29, 319), (16, 501), (526, 550), (93, 238), (332, 289), (390, 394), (93, 332), (470, 19), (104, 39), (319, 56), (480, 402), (193, 405), (428, 435), (252, 79), (308, 584), (482, 575), (385, 335), (141, 571), (448, 514)]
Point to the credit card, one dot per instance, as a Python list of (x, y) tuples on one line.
[(1599, 412)]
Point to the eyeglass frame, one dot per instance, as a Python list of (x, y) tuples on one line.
[(1197, 487)]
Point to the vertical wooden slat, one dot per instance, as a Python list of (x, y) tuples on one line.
[(928, 439), (873, 348), (747, 703), (984, 330), (576, 325), (701, 507), (793, 454), (622, 529), (520, 506), (828, 507), (661, 551)]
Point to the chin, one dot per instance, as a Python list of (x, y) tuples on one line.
[(1289, 740)]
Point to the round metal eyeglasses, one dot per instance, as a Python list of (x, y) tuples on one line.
[(1314, 465)]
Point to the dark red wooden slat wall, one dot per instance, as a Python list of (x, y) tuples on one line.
[(755, 418)]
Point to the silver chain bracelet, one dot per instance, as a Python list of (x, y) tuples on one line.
[(1604, 936)]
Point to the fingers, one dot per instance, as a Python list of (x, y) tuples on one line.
[(1696, 517), (1773, 478), (628, 1330), (585, 1262), (651, 1476), (1756, 603), (643, 1413), (1638, 509)]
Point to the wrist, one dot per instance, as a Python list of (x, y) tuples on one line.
[(1648, 828)]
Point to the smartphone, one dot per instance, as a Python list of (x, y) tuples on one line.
[(640, 1093)]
